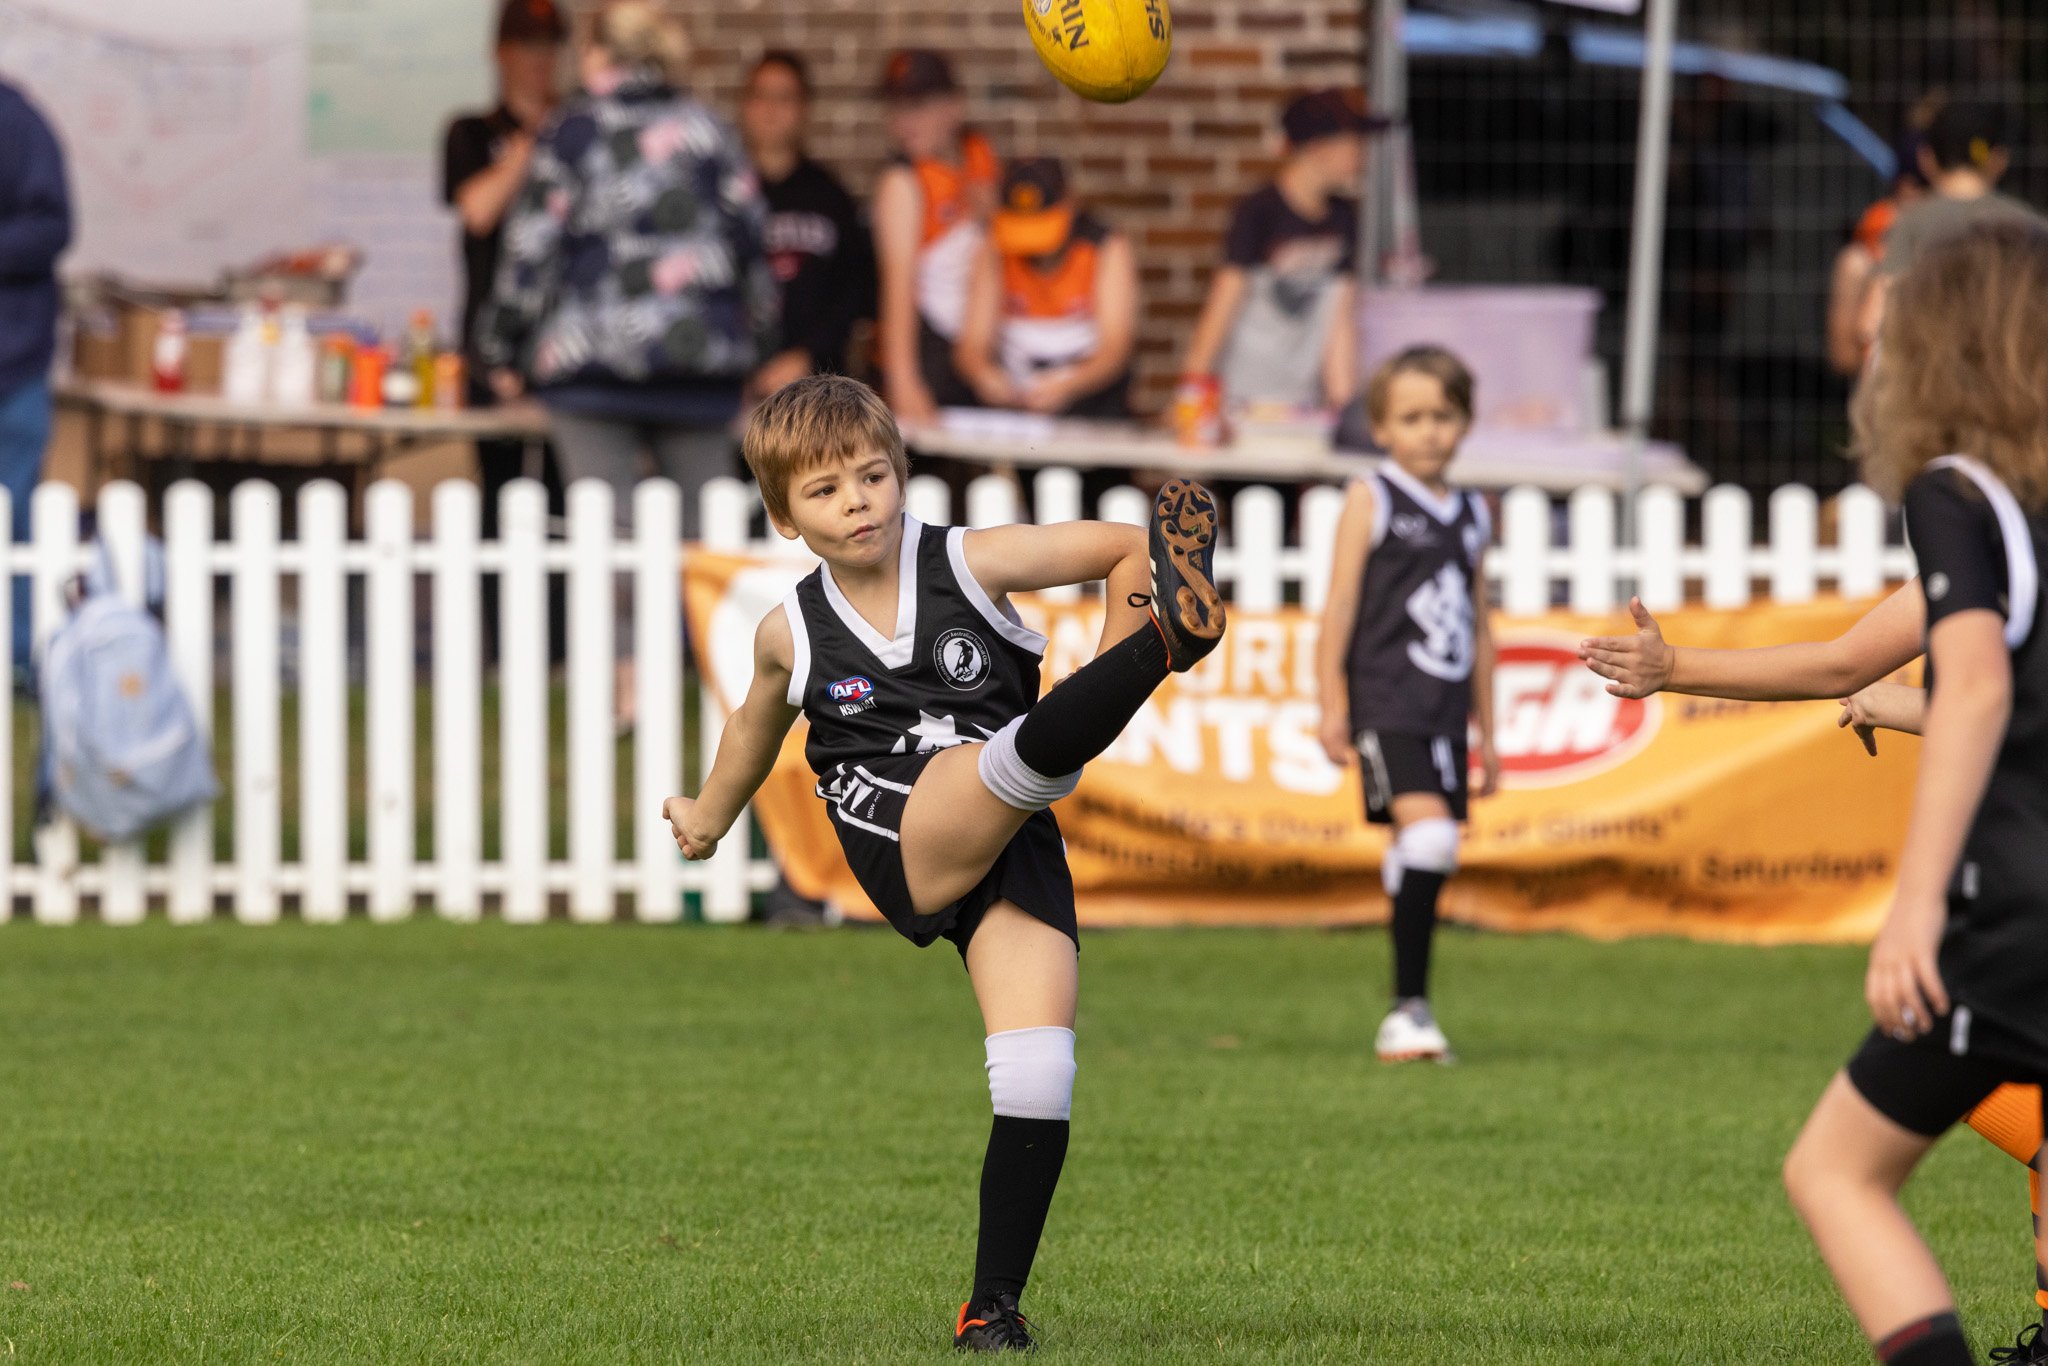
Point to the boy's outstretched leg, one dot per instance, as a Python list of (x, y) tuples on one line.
[(1083, 715), (969, 802), (1026, 975)]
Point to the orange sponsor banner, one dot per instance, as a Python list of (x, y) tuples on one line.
[(1742, 822)]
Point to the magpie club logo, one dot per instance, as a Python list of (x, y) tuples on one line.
[(962, 659)]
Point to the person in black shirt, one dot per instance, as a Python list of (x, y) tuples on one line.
[(1953, 415), (483, 163), (484, 156), (1278, 324), (817, 244)]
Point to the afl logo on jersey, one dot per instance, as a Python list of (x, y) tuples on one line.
[(854, 695), (961, 658)]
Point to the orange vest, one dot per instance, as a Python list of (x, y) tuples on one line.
[(954, 200), (1065, 288), (946, 187), (1049, 304)]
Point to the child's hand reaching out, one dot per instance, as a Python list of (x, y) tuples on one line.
[(695, 841)]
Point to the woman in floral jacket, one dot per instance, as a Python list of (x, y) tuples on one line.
[(635, 296)]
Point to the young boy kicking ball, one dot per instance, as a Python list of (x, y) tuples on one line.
[(939, 760)]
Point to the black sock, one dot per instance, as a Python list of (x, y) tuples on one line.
[(1414, 928), (1087, 710), (1936, 1340), (1017, 1180)]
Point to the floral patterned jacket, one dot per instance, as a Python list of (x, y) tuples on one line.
[(634, 253)]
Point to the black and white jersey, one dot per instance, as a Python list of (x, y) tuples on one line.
[(1410, 666), (959, 668), (1979, 549)]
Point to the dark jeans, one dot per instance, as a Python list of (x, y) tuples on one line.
[(24, 439), (498, 464)]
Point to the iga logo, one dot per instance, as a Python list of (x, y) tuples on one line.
[(1555, 721)]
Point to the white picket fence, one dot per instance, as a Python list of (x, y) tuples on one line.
[(1533, 570)]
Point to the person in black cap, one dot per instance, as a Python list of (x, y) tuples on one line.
[(817, 243), (1276, 325), (932, 205), (483, 163), (1052, 309), (1966, 153)]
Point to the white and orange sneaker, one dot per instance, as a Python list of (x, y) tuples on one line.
[(1411, 1034)]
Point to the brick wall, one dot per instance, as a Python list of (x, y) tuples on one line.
[(1165, 167)]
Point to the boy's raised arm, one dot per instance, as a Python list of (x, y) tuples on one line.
[(746, 750), (1023, 559)]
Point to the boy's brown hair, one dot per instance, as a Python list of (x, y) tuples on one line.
[(1961, 366), (1440, 365), (814, 421)]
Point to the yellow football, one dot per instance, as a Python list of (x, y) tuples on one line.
[(1106, 50)]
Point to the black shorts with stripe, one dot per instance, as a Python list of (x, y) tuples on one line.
[(1929, 1083), (866, 800), (1395, 763)]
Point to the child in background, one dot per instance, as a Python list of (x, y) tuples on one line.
[(937, 757), (932, 206), (1405, 660), (1277, 326), (1052, 307)]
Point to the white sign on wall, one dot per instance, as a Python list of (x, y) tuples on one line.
[(205, 135), (183, 126)]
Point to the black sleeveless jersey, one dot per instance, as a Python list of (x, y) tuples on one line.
[(959, 669), (1410, 665), (1978, 548)]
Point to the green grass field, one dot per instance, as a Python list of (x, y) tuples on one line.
[(428, 1142)]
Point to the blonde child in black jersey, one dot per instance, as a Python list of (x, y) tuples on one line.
[(1405, 661), (937, 757)]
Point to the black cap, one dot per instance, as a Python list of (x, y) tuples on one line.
[(531, 21), (1325, 114), (1034, 217), (916, 73), (1034, 183), (1967, 132)]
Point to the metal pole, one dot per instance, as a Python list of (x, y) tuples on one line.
[(1385, 83), (1646, 254)]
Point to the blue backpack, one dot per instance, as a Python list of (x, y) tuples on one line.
[(121, 749)]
